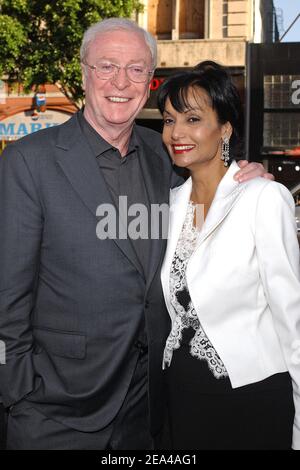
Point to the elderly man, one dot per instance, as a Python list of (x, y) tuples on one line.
[(78, 312)]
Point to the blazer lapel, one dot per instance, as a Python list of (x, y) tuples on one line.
[(179, 199), (158, 192), (227, 194), (82, 171)]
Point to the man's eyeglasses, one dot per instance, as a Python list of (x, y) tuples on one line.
[(135, 73)]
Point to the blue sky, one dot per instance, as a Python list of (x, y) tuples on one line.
[(290, 9)]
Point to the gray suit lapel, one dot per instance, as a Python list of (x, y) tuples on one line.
[(158, 192)]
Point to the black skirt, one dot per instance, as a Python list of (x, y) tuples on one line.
[(206, 413)]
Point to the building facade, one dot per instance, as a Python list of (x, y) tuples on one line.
[(24, 113), (189, 31), (192, 30)]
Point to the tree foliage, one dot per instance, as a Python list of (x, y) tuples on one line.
[(40, 39)]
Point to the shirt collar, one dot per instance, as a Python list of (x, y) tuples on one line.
[(100, 145)]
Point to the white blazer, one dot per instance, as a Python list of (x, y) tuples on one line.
[(244, 279)]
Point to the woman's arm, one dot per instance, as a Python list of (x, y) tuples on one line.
[(278, 255)]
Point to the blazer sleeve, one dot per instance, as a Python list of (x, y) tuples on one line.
[(20, 239), (278, 256)]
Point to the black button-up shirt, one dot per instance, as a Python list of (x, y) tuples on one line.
[(123, 177)]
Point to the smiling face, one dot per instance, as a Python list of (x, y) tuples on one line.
[(194, 136), (115, 102)]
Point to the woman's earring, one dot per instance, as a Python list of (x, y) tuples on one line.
[(225, 151)]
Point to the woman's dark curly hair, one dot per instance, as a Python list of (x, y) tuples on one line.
[(224, 98)]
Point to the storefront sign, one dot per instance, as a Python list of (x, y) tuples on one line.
[(27, 122)]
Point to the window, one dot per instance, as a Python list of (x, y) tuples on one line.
[(281, 111)]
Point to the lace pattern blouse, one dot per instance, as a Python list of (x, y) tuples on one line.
[(186, 316)]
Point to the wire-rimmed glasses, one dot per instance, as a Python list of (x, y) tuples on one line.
[(105, 70)]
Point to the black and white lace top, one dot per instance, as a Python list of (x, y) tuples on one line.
[(186, 316)]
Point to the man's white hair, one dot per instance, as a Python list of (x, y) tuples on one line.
[(116, 24)]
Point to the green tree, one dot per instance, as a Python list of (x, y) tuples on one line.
[(40, 40)]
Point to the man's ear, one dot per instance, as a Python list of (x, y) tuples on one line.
[(83, 77), (149, 87)]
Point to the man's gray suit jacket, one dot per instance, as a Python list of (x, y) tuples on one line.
[(71, 305)]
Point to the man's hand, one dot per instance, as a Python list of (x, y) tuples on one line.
[(251, 170)]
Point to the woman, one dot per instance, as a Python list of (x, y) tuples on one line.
[(230, 281)]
